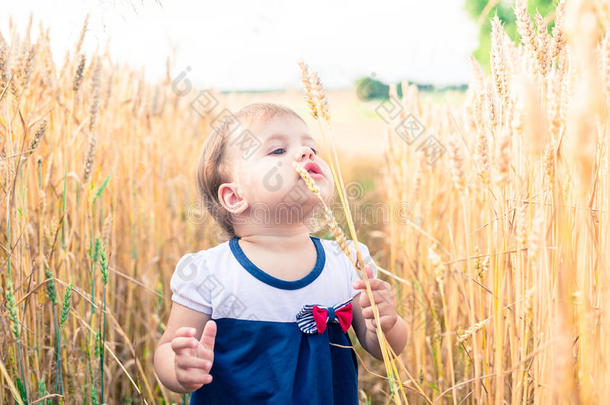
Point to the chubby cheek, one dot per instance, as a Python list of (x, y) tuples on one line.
[(326, 169), (329, 182), (328, 189), (274, 178)]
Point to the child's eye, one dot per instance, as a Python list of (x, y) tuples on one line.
[(314, 151), (281, 149)]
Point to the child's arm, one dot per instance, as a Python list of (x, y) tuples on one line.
[(393, 326), (183, 360)]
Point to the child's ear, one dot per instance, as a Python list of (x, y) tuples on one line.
[(231, 200)]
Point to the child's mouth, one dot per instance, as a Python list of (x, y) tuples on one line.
[(314, 170), (315, 176)]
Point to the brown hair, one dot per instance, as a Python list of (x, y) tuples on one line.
[(212, 169)]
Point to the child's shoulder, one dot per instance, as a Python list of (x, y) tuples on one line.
[(335, 249), (209, 252), (197, 263), (349, 242), (194, 277)]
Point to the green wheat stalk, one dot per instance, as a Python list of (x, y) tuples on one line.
[(104, 271), (14, 317), (52, 294), (65, 309)]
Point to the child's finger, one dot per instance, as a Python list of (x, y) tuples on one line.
[(366, 302), (193, 378), (208, 336), (182, 343), (185, 331), (382, 307), (193, 362), (376, 284), (388, 321)]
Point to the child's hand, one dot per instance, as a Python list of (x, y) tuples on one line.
[(194, 359), (384, 300)]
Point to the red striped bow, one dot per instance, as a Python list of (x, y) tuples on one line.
[(322, 314)]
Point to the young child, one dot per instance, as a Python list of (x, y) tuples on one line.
[(263, 317)]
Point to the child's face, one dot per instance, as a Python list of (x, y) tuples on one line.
[(267, 178)]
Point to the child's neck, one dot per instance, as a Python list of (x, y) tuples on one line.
[(278, 240)]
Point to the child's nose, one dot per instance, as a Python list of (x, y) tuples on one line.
[(306, 153)]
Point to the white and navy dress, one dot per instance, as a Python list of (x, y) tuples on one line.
[(273, 339)]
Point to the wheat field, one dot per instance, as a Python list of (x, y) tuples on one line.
[(498, 257)]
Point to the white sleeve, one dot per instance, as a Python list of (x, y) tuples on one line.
[(189, 283), (366, 258)]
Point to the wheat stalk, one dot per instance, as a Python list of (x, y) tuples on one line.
[(312, 81)]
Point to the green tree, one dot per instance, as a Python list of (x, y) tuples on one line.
[(505, 11)]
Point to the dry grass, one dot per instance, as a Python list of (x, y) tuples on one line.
[(85, 174), (508, 290), (500, 267)]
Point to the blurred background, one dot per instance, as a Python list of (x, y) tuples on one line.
[(472, 137)]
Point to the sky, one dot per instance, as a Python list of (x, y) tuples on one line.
[(256, 44)]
